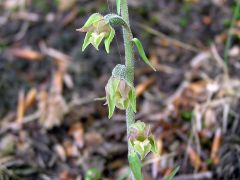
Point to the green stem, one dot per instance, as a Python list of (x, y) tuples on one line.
[(129, 62)]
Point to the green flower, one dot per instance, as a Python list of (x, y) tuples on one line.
[(142, 141), (119, 94), (97, 29)]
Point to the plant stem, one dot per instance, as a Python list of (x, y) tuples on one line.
[(128, 45)]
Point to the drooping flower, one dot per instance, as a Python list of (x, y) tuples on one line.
[(97, 28), (119, 94), (142, 141)]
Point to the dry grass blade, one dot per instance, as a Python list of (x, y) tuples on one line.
[(194, 157), (21, 107), (216, 146), (30, 98), (27, 54)]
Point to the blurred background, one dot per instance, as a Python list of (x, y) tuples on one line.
[(50, 125)]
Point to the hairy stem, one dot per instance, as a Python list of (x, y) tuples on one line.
[(129, 62)]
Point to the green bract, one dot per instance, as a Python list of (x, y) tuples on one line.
[(119, 94), (141, 140), (97, 29)]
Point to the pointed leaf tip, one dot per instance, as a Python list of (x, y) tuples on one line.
[(142, 53)]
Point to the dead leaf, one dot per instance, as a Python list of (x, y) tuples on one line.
[(52, 108), (93, 138), (60, 151), (70, 149), (65, 5), (65, 175), (77, 132), (144, 86)]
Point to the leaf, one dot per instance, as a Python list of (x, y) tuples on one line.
[(118, 3), (109, 39), (86, 41), (135, 165), (142, 52), (170, 177)]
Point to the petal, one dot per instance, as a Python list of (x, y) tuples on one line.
[(111, 106), (92, 19), (124, 89), (96, 39), (86, 41), (109, 39)]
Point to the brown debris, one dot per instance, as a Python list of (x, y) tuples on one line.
[(77, 132), (26, 54), (194, 158), (20, 107), (216, 146), (144, 86)]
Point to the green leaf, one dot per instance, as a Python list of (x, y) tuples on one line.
[(109, 39), (142, 52), (86, 41), (118, 3), (170, 177), (93, 19), (132, 99), (135, 165)]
